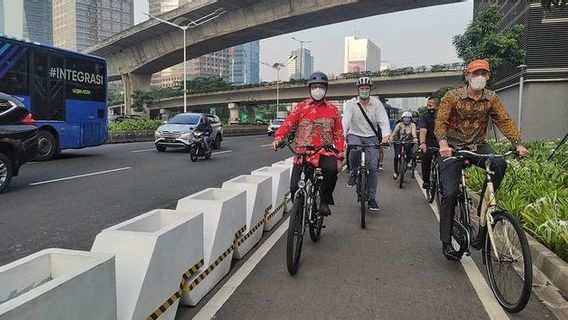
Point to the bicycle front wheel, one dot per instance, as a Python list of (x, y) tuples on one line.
[(509, 269), (316, 219), (295, 236), (363, 197), (402, 170), (431, 192)]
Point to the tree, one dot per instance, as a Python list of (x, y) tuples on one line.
[(483, 40), (141, 99)]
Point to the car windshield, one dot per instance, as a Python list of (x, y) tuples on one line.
[(184, 119), (277, 121)]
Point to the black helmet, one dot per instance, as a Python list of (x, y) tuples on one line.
[(317, 77)]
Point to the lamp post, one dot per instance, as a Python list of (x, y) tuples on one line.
[(190, 24), (278, 66), (523, 68), (301, 53)]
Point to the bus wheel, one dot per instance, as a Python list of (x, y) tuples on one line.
[(47, 146)]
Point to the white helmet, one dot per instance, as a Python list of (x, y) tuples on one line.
[(364, 81), (406, 114)]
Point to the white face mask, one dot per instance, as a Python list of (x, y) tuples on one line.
[(317, 93), (478, 83)]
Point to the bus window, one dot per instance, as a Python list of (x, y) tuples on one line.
[(14, 80), (85, 80)]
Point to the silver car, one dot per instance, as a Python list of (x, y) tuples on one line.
[(178, 131), (274, 125)]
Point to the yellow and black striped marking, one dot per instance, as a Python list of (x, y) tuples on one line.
[(188, 287), (240, 232), (269, 216), (171, 300), (254, 228)]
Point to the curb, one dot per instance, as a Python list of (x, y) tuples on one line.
[(549, 265)]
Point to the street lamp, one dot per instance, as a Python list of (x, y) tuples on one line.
[(190, 24), (523, 67), (301, 53), (277, 66)]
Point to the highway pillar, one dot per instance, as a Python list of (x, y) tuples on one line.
[(234, 116), (130, 83)]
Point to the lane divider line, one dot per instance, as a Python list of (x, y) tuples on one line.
[(144, 150), (79, 176), (221, 152), (492, 307), (266, 145)]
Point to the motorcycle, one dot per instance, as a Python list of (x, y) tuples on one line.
[(198, 147)]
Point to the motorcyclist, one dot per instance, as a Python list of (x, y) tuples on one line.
[(205, 127)]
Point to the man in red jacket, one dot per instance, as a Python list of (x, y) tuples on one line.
[(318, 123)]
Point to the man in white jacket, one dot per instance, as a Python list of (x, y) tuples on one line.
[(359, 131)]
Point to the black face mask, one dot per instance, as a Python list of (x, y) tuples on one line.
[(431, 110)]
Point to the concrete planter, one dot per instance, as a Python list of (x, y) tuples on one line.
[(287, 163), (152, 251), (259, 202), (280, 190), (224, 220), (59, 284)]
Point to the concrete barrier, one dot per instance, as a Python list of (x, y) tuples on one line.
[(259, 203), (287, 163), (280, 192), (224, 221), (55, 284), (153, 251)]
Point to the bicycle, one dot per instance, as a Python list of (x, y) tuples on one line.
[(305, 207), (498, 235), (402, 162), (434, 189), (362, 179)]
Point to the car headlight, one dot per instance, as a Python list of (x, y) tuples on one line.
[(157, 134), (186, 136)]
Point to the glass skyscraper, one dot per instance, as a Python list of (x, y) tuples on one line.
[(245, 63), (28, 19)]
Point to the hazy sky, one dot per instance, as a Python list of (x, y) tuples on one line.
[(407, 38)]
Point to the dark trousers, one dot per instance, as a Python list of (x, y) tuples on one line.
[(450, 175), (398, 149), (426, 163), (328, 167)]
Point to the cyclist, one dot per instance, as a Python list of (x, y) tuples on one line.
[(317, 123), (405, 132), (461, 122), (363, 131), (427, 138)]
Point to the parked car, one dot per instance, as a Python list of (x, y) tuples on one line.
[(178, 131), (18, 138), (274, 125)]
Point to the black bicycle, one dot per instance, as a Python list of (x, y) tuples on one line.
[(433, 190), (505, 249), (363, 179), (402, 162), (305, 206)]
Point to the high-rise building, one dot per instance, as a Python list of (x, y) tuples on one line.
[(304, 61), (214, 64), (78, 24), (245, 63), (160, 6), (28, 19), (361, 55)]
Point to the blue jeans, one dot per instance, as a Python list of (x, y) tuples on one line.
[(371, 160)]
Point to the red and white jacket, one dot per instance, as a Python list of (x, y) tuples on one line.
[(317, 124)]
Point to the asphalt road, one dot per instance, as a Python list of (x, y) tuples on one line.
[(394, 269), (70, 213)]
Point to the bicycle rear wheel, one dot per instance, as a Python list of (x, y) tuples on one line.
[(363, 199), (510, 270), (431, 192), (316, 218), (295, 236)]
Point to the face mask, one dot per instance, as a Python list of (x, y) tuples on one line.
[(431, 110), (406, 121), (478, 83), (317, 94), (364, 95)]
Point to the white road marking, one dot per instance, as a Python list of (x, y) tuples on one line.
[(492, 307), (145, 150), (221, 152), (264, 138), (266, 145), (227, 141), (79, 176), (208, 311)]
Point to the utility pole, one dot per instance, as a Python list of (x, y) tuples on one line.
[(278, 66)]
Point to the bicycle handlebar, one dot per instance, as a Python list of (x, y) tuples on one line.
[(373, 145), (313, 150), (461, 154)]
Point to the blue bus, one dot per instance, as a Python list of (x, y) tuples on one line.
[(65, 91)]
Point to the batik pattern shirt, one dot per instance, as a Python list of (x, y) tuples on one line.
[(462, 121), (317, 123)]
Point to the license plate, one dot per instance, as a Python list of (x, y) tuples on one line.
[(170, 140)]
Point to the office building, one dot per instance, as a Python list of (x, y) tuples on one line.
[(303, 62), (245, 63), (361, 55), (27, 19)]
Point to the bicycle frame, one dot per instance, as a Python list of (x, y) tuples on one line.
[(306, 189)]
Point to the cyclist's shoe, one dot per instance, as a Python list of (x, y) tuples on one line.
[(426, 185), (380, 166), (395, 176), (409, 166), (449, 252), (352, 181), (324, 209), (373, 205)]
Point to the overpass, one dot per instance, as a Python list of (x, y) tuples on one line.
[(414, 85), (136, 53)]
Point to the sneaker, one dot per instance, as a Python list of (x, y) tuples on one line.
[(426, 185), (373, 205), (324, 209), (394, 176), (449, 252), (381, 166), (352, 181)]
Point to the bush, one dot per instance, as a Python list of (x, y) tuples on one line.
[(535, 190), (134, 125)]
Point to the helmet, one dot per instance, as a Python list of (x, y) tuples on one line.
[(317, 77), (364, 81), (415, 114), (406, 114)]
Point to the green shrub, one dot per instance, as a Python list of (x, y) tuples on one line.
[(134, 125)]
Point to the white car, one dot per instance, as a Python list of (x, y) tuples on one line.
[(274, 125), (178, 131)]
